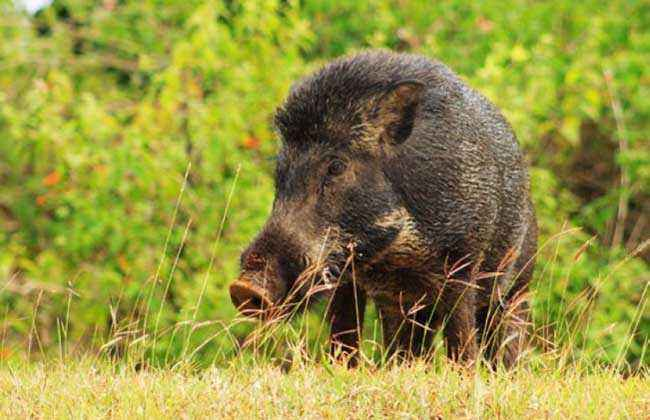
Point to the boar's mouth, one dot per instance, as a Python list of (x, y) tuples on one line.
[(249, 299)]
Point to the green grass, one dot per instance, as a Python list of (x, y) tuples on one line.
[(91, 389)]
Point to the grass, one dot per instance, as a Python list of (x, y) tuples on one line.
[(283, 369), (280, 373), (91, 389)]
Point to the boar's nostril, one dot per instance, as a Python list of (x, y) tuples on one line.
[(249, 299)]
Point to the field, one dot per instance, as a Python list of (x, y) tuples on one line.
[(137, 161)]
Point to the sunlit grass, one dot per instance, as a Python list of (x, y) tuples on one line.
[(92, 389)]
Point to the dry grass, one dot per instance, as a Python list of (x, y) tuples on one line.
[(93, 389)]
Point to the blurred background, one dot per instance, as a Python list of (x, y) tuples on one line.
[(136, 157)]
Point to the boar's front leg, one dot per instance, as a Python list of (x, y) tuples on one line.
[(346, 313)]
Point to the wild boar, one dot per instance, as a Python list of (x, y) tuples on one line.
[(397, 182)]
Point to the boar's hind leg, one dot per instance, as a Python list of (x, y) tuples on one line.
[(457, 306), (509, 337), (406, 337), (346, 313), (506, 325)]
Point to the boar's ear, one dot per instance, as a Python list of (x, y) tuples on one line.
[(395, 110)]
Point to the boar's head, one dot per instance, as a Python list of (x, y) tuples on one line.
[(335, 202)]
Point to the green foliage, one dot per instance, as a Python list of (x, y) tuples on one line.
[(125, 125)]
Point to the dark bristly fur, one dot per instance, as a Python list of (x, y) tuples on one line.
[(391, 162)]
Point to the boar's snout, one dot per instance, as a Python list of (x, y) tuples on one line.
[(248, 298), (269, 269)]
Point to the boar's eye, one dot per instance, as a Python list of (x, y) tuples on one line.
[(336, 167)]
